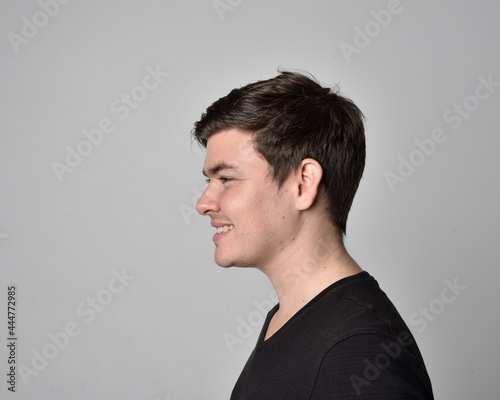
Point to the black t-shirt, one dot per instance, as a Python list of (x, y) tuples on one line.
[(349, 342)]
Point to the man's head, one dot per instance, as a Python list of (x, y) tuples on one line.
[(291, 118)]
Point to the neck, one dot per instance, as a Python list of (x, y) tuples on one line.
[(306, 271)]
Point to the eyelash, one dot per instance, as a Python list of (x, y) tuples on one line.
[(222, 178)]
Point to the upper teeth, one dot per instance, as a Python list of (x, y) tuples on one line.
[(224, 228)]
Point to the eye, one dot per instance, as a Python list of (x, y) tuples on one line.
[(223, 179)]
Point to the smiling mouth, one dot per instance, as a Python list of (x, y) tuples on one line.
[(224, 228)]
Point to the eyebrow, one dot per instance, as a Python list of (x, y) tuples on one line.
[(220, 167)]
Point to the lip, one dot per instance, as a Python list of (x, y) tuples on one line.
[(222, 235), (219, 224)]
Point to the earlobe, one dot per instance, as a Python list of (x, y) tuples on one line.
[(309, 174)]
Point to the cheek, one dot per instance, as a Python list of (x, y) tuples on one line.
[(236, 204), (282, 212), (254, 206), (270, 209)]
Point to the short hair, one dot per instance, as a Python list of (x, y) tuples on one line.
[(293, 117)]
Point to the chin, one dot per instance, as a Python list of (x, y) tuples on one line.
[(224, 263), (228, 262)]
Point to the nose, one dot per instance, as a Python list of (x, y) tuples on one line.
[(208, 202)]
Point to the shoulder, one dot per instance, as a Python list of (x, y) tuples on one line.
[(353, 305), (368, 365)]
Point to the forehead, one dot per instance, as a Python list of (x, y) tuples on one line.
[(231, 147)]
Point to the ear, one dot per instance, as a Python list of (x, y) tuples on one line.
[(308, 175)]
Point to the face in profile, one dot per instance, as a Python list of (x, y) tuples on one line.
[(251, 216)]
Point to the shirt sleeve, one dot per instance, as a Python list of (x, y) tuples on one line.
[(370, 366)]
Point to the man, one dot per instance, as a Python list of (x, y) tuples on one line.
[(284, 160)]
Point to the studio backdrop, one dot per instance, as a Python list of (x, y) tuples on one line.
[(108, 287)]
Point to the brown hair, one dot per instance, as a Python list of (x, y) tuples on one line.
[(292, 118)]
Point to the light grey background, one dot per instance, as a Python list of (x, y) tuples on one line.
[(128, 206)]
